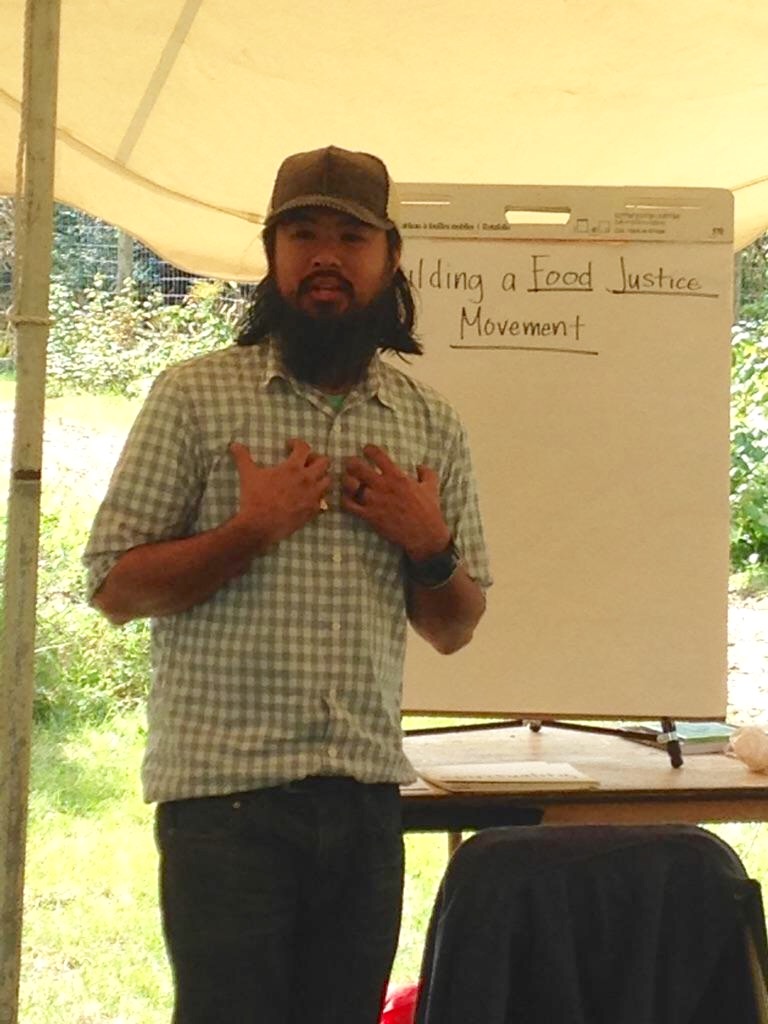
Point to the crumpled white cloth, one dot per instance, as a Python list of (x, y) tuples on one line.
[(750, 745)]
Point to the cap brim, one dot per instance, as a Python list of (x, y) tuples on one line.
[(331, 203)]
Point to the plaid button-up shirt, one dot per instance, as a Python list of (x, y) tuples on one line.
[(294, 668)]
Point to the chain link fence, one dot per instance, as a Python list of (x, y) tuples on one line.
[(85, 247), (86, 250)]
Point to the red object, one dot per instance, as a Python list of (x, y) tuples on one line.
[(400, 1004)]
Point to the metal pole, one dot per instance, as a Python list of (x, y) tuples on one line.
[(124, 257), (33, 256)]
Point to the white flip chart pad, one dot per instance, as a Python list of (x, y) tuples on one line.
[(584, 336)]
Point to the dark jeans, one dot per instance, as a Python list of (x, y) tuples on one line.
[(282, 905)]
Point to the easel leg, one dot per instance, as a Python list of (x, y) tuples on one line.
[(668, 736), (673, 743)]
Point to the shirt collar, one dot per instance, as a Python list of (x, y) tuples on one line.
[(375, 385)]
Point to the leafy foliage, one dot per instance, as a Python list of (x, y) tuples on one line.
[(6, 268), (749, 438), (86, 670), (106, 341), (753, 275)]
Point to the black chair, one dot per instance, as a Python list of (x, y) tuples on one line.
[(595, 925)]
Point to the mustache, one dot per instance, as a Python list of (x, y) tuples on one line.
[(324, 275)]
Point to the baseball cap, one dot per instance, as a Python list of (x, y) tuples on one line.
[(353, 183)]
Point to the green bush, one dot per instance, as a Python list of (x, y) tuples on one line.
[(104, 341), (6, 342), (112, 343), (749, 438), (86, 670)]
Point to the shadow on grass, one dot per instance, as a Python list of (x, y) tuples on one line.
[(751, 583), (83, 770)]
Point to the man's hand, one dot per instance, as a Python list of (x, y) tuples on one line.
[(402, 509), (276, 501)]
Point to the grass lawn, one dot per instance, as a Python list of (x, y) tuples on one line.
[(92, 945), (100, 412), (92, 949)]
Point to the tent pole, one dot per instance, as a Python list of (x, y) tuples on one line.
[(33, 262)]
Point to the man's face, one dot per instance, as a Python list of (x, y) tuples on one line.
[(327, 264)]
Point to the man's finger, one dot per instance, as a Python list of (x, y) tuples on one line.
[(352, 486), (380, 458), (428, 476), (318, 463), (241, 455), (348, 504), (361, 469), (298, 450)]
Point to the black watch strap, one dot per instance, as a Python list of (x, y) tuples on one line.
[(437, 570)]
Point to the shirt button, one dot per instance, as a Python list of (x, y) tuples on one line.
[(336, 627), (336, 556)]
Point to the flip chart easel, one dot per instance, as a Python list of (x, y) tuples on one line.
[(584, 336), (668, 736)]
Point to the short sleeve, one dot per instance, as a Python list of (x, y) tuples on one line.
[(156, 485)]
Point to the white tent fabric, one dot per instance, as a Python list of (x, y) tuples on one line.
[(174, 116)]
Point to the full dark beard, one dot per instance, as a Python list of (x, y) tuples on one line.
[(328, 350)]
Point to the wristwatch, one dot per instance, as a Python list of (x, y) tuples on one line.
[(435, 571)]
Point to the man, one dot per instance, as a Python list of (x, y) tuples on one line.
[(280, 510)]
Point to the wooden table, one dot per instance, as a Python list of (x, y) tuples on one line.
[(638, 785)]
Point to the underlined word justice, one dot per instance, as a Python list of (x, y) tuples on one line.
[(545, 273)]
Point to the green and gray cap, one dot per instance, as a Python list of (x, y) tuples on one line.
[(353, 183)]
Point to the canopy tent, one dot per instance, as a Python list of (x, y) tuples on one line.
[(173, 116)]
